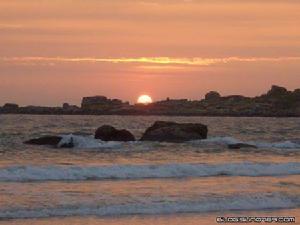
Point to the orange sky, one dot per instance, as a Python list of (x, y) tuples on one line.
[(55, 51)]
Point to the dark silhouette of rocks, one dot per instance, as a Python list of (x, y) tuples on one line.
[(163, 131), (277, 92), (102, 103), (45, 140), (52, 141), (10, 107), (70, 109), (212, 96), (277, 102), (240, 145), (109, 133)]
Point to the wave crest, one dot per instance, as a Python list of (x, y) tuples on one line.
[(74, 173), (260, 144), (257, 201), (87, 142)]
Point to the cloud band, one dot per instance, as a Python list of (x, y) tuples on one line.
[(196, 61)]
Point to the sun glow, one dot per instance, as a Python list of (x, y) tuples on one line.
[(144, 99)]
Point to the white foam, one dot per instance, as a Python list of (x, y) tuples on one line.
[(257, 201), (284, 145), (35, 173), (221, 140), (87, 142)]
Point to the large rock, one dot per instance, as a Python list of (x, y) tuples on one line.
[(109, 133), (296, 93), (212, 96), (94, 100), (10, 108), (45, 140), (277, 91), (174, 132)]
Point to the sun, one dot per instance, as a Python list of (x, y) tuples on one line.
[(144, 99)]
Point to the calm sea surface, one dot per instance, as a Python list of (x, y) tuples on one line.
[(147, 182)]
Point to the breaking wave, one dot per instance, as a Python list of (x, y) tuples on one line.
[(77, 173), (258, 144), (238, 202), (88, 142)]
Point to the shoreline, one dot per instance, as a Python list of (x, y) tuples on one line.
[(277, 102), (191, 218)]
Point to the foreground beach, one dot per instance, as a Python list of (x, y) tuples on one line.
[(187, 219)]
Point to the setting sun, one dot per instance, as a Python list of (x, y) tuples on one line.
[(144, 99)]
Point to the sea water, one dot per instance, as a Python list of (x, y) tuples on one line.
[(147, 182)]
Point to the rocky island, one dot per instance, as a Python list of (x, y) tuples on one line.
[(160, 131), (277, 102)]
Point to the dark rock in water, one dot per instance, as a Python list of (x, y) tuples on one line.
[(240, 145), (45, 140), (51, 141), (109, 133), (175, 132)]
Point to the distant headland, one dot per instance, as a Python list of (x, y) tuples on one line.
[(277, 102)]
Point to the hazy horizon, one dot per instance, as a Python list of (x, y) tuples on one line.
[(60, 51), (78, 101)]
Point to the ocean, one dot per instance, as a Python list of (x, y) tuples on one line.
[(147, 182)]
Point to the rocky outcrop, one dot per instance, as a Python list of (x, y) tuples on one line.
[(277, 91), (277, 102), (109, 133), (212, 96), (240, 145), (88, 102), (102, 103), (174, 132), (45, 140), (10, 108), (296, 93), (53, 141)]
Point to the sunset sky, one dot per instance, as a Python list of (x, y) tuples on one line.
[(55, 51)]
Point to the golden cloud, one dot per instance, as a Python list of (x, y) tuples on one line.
[(196, 61)]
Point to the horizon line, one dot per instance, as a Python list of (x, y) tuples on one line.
[(162, 99)]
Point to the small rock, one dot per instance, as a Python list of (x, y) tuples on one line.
[(109, 133)]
